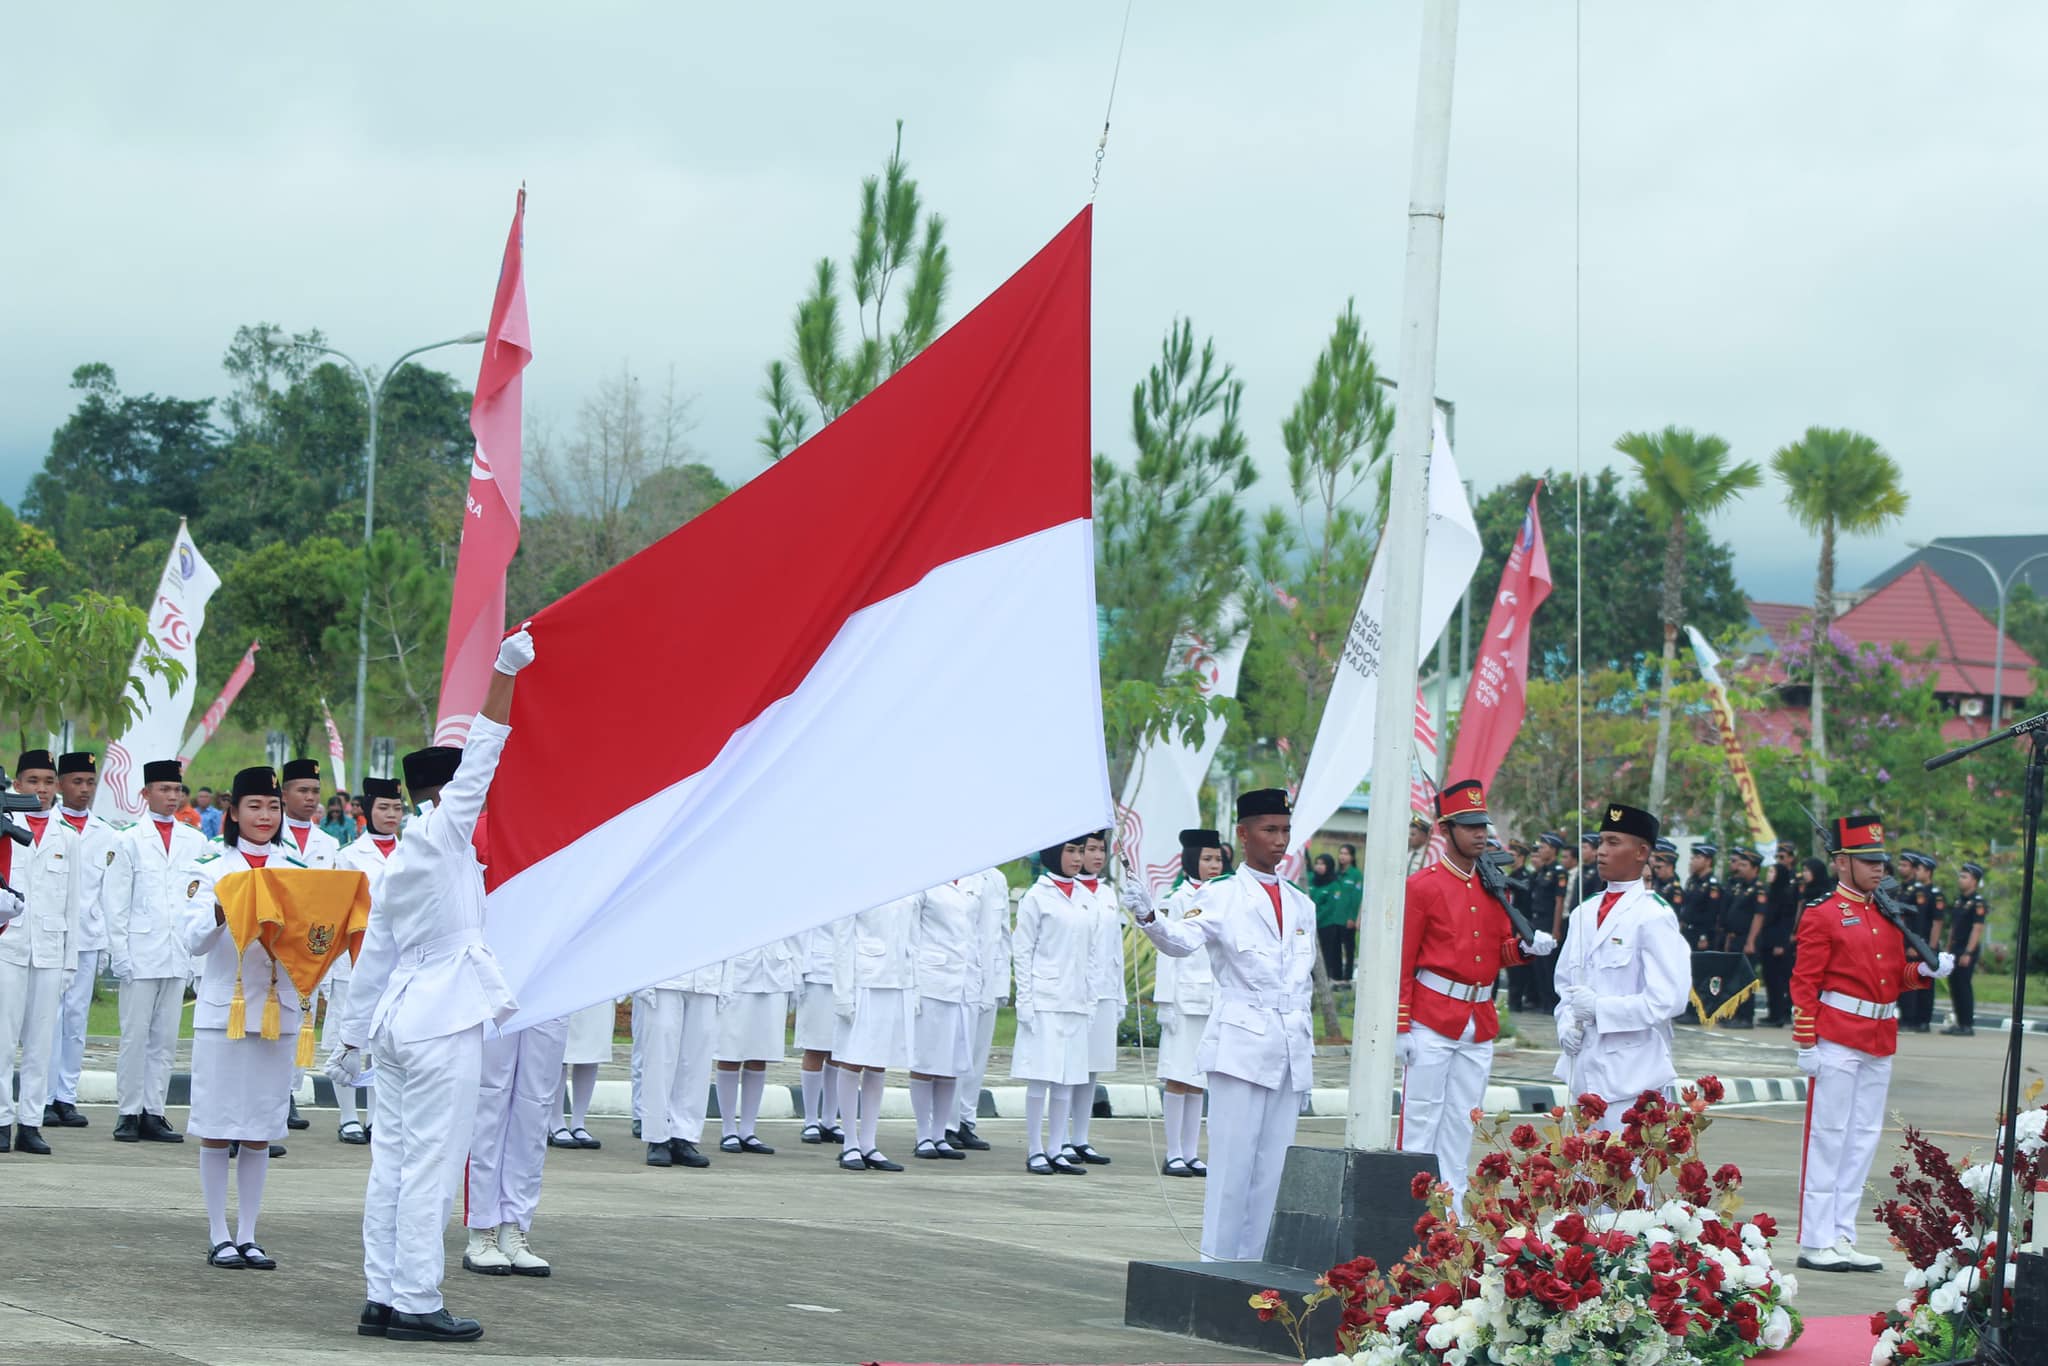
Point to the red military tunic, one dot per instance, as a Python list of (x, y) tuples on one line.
[(1847, 946), (1456, 930)]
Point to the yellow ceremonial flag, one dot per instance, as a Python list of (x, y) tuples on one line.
[(304, 917), (1731, 743)]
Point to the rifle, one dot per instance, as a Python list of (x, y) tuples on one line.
[(1886, 905), (1492, 870), (10, 802)]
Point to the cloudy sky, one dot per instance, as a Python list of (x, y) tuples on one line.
[(1789, 214)]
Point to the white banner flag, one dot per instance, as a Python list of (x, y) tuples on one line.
[(175, 618), (1343, 750), (1163, 792)]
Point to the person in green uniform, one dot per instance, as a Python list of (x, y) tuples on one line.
[(1326, 891)]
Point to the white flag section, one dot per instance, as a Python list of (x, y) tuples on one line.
[(1343, 749), (159, 727), (1163, 793)]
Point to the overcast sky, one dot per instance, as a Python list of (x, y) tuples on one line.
[(1792, 214)]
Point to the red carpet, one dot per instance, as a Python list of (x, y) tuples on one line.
[(1837, 1340)]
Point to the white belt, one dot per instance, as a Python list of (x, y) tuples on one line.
[(1262, 1000), (1869, 1010), (1457, 991), (445, 946)]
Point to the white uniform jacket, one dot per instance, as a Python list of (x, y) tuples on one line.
[(95, 860), (1640, 969), (949, 941), (50, 875), (1259, 1030), (425, 970), (768, 969), (1187, 984), (714, 980), (321, 851), (815, 949), (145, 894), (1106, 966), (993, 922), (877, 948), (1053, 948), (213, 949), (363, 856)]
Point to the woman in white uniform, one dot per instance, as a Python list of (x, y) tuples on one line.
[(1106, 987), (816, 1020), (948, 978), (1053, 948), (241, 1088), (589, 1047), (874, 983), (751, 1030), (1185, 995), (384, 811)]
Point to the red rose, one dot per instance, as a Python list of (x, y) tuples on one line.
[(1673, 1319), (1908, 1349), (1692, 1178), (1749, 1330), (1515, 1285), (1712, 1090), (1678, 1140), (1728, 1175), (1570, 1229), (1419, 1184), (1766, 1225), (1878, 1323), (1440, 1296), (1495, 1166), (1575, 1265), (1592, 1109), (1524, 1137), (1442, 1243), (1662, 1262)]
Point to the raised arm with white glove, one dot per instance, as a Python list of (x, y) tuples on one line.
[(11, 904), (1941, 970), (1542, 946)]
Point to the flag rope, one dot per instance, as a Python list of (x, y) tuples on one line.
[(1102, 143), (1578, 441)]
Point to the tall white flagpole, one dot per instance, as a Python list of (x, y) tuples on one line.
[(1370, 1124)]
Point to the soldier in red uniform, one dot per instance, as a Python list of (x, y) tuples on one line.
[(1457, 939), (1851, 970)]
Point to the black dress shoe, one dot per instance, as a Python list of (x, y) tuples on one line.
[(875, 1162), (636, 1128), (6, 1139), (293, 1119), (811, 1134), (374, 1321), (685, 1153), (277, 1150), (965, 1137), (1084, 1153), (255, 1258), (439, 1326), (852, 1161), (64, 1115), (226, 1256), (157, 1129), (658, 1155), (1960, 1031), (128, 1129), (29, 1139), (832, 1133)]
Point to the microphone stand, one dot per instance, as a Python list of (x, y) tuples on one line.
[(1992, 1348)]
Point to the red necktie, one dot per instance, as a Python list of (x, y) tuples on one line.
[(1273, 895), (301, 835), (1091, 883), (163, 828), (256, 860), (37, 825), (384, 846), (75, 822), (1607, 901)]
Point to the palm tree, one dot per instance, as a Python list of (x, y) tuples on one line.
[(1686, 476), (1836, 480)]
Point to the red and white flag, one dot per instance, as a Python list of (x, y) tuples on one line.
[(490, 527), (215, 714), (334, 749), (1497, 695), (874, 663)]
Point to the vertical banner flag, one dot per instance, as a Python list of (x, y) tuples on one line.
[(334, 749), (490, 524), (1731, 743), (209, 723), (1163, 792), (175, 619), (1343, 750), (1422, 787), (826, 656), (1497, 695)]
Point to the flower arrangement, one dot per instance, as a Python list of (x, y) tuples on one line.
[(1598, 1246), (1945, 1221)]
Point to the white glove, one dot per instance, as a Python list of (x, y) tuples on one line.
[(1137, 900), (1582, 1001), (1946, 966), (1404, 1049), (103, 962), (1543, 946), (515, 652), (1572, 1037), (1169, 1015), (1027, 1015), (11, 904), (344, 1066), (1809, 1061), (842, 1006), (124, 972)]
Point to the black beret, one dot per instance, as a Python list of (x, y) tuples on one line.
[(1263, 801), (34, 760), (1631, 820), (373, 788), (255, 782), (431, 767), (163, 771), (78, 761), (299, 769)]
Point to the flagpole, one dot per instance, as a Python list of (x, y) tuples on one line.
[(1370, 1123)]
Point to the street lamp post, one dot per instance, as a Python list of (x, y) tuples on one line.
[(2004, 586), (374, 394)]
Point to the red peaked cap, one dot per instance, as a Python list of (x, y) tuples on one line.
[(1463, 804)]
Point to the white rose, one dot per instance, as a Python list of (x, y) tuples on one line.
[(1339, 1360), (1755, 1277), (1752, 1236), (1440, 1336), (1915, 1278), (1967, 1280), (1777, 1330), (1406, 1317), (1788, 1286), (1945, 1301)]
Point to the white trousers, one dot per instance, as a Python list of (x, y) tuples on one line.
[(149, 1041), (519, 1093), (981, 1030), (29, 999), (1250, 1128), (1439, 1092), (1844, 1119), (426, 1111), (675, 1080), (67, 1055)]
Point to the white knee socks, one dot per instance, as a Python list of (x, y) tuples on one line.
[(345, 1104), (252, 1164), (870, 1108), (1175, 1103), (848, 1086), (1034, 1117), (814, 1097), (945, 1091), (1191, 1127), (1062, 1099), (213, 1185), (1082, 1098), (728, 1084), (582, 1086), (751, 1084), (921, 1106)]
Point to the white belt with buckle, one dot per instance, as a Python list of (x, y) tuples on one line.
[(1457, 991), (1869, 1010)]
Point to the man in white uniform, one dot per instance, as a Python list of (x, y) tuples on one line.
[(994, 922), (78, 782), (419, 997), (679, 1019), (38, 949), (310, 845), (1259, 930), (144, 893), (1623, 973), (370, 854)]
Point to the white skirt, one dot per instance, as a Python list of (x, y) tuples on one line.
[(1178, 1044), (1102, 1035), (241, 1088), (1052, 1048), (590, 1034), (943, 1045), (752, 1027), (817, 1020), (878, 1035)]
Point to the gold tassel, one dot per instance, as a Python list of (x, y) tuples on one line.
[(305, 1054), (237, 1008), (1727, 1008), (273, 1013)]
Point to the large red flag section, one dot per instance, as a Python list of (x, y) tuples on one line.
[(1497, 695)]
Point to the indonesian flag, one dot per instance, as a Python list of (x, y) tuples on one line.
[(334, 749), (490, 527), (176, 617), (874, 664), (1497, 695)]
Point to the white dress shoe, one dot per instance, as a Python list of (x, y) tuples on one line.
[(484, 1256), (523, 1260), (1854, 1260)]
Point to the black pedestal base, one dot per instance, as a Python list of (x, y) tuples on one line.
[(1211, 1301), (2029, 1321)]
